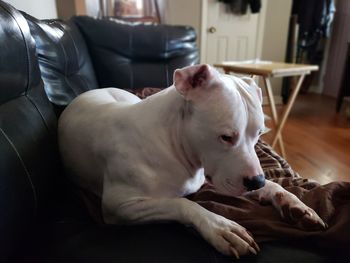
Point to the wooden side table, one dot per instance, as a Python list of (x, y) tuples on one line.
[(267, 70)]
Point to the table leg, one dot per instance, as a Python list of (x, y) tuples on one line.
[(288, 108), (271, 99)]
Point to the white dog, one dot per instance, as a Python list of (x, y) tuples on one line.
[(142, 157)]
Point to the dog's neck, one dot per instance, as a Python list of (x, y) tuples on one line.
[(169, 112)]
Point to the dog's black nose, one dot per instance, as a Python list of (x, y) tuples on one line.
[(255, 182)]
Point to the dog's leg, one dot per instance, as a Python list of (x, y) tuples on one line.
[(290, 207), (225, 235)]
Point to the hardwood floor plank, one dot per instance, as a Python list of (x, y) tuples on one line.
[(317, 140)]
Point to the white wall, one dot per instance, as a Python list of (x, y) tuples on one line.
[(276, 29), (275, 36), (41, 9), (182, 12)]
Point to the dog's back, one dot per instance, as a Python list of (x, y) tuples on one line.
[(87, 114)]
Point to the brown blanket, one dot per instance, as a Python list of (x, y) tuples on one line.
[(331, 202)]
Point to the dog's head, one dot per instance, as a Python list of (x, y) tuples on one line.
[(223, 122)]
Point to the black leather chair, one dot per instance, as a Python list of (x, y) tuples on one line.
[(41, 217)]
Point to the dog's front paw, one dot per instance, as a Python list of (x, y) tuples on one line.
[(227, 236), (296, 212)]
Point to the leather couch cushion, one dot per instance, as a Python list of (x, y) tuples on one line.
[(64, 60), (131, 56), (143, 243), (169, 242)]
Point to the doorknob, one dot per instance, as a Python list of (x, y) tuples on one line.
[(212, 30)]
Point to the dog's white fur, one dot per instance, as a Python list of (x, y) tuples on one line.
[(142, 157)]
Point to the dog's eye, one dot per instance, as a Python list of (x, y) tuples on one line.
[(227, 139)]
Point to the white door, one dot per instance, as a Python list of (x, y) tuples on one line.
[(229, 36)]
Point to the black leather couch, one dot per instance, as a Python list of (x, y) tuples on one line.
[(43, 66)]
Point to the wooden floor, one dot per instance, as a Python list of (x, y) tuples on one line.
[(317, 140)]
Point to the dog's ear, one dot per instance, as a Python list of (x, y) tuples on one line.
[(191, 78), (253, 87)]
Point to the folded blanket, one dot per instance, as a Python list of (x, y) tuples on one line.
[(331, 202)]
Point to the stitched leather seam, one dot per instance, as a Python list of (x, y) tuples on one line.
[(130, 67), (41, 115), (72, 39), (77, 58), (167, 74), (65, 58), (83, 80), (24, 167), (166, 65)]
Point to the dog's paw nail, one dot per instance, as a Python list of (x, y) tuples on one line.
[(249, 233), (251, 249), (256, 246), (234, 252)]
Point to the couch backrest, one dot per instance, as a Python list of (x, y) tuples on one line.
[(132, 56), (29, 160), (123, 55), (64, 60)]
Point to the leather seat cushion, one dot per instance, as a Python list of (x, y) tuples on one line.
[(161, 243)]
